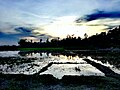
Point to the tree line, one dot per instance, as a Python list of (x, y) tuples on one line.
[(110, 39)]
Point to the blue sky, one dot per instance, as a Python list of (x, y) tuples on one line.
[(35, 19)]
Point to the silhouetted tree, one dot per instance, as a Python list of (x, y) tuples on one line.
[(102, 40), (40, 40), (22, 42)]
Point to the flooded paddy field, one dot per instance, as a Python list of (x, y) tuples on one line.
[(70, 70)]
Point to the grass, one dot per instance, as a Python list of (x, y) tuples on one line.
[(43, 82), (41, 49)]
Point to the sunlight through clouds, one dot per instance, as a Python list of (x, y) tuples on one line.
[(64, 26), (57, 18)]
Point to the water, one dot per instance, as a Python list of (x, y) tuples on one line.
[(63, 63)]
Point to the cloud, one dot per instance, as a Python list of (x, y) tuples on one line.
[(31, 32), (54, 17), (8, 39), (100, 15), (44, 37), (24, 29), (100, 19), (12, 34), (22, 32)]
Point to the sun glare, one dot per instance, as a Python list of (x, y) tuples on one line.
[(66, 25)]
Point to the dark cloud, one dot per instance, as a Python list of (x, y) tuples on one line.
[(97, 25), (45, 35), (2, 34), (13, 38), (42, 34), (7, 39), (24, 29), (99, 15)]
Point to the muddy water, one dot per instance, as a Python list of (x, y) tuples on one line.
[(62, 63)]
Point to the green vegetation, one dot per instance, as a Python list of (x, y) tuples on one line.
[(41, 49)]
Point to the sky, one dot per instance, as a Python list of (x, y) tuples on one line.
[(42, 19)]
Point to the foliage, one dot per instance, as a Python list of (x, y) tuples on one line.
[(103, 40)]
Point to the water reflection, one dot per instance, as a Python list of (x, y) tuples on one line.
[(59, 70), (63, 63), (9, 53)]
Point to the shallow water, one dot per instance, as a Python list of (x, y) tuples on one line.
[(62, 64)]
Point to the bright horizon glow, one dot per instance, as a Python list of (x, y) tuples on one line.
[(55, 18), (66, 25)]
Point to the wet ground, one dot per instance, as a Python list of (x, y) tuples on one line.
[(59, 70)]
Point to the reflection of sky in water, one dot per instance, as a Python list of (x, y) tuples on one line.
[(9, 53), (57, 70), (27, 68), (37, 55), (106, 64), (60, 70)]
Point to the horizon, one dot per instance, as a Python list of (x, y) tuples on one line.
[(55, 18)]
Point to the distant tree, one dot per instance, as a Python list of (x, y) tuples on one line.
[(31, 41), (85, 35), (102, 40), (47, 41), (22, 42), (40, 40), (58, 38), (79, 38)]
